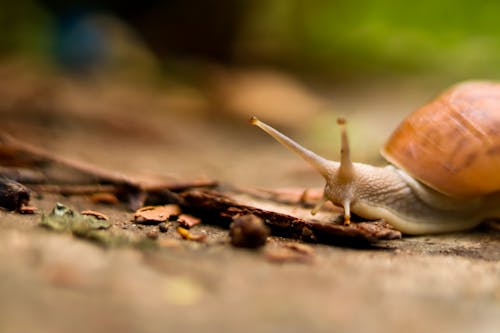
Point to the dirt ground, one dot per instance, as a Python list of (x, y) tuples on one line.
[(53, 282)]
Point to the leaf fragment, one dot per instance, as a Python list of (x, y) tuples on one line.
[(156, 214)]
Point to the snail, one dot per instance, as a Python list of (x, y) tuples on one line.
[(444, 171)]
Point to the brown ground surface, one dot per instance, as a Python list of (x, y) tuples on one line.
[(53, 282)]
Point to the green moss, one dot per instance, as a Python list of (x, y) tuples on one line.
[(63, 219)]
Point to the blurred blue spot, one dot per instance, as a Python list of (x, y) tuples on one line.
[(80, 43)]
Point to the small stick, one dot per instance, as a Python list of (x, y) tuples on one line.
[(83, 167), (100, 174), (74, 189)]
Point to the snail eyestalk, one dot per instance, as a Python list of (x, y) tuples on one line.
[(346, 170), (254, 120), (324, 166), (345, 174), (339, 176)]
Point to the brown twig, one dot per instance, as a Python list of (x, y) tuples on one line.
[(213, 203), (38, 161), (86, 168)]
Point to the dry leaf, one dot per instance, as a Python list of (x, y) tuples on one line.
[(286, 254), (188, 221), (156, 214), (300, 248), (28, 210), (97, 215)]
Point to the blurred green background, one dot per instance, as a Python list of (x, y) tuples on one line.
[(327, 39)]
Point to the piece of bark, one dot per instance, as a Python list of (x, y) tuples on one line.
[(13, 195), (188, 221), (288, 221)]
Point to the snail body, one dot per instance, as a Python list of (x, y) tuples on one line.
[(445, 171)]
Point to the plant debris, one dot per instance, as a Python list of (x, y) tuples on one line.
[(13, 195), (44, 171), (107, 198), (28, 210), (97, 215), (248, 231), (63, 218), (188, 235), (286, 220), (300, 248), (188, 221), (156, 214), (289, 254)]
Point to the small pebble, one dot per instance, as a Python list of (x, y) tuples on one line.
[(13, 195), (163, 227), (152, 234), (248, 231)]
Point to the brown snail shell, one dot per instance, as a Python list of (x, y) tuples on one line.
[(452, 144)]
